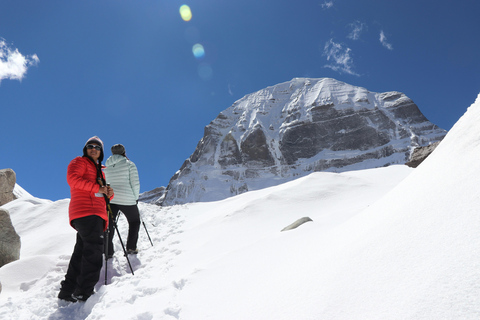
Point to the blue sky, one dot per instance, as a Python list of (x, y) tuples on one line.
[(126, 70)]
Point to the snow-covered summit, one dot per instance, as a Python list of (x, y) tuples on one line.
[(294, 128)]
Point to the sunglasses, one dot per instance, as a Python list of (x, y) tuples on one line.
[(93, 146)]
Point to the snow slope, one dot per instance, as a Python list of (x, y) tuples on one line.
[(387, 243), (187, 239)]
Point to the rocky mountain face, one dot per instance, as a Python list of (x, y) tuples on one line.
[(294, 128)]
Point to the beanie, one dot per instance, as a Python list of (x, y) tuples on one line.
[(96, 140), (118, 149)]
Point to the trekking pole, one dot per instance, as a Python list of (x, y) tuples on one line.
[(120, 238), (143, 222), (144, 226), (118, 232), (105, 237)]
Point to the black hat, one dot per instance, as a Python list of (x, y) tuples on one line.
[(118, 149)]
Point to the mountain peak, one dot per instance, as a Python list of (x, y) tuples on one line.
[(293, 128)]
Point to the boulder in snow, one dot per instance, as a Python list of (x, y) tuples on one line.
[(9, 239), (297, 223), (7, 183)]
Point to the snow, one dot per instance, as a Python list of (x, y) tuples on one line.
[(386, 243)]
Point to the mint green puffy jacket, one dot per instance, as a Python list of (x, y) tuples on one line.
[(122, 175)]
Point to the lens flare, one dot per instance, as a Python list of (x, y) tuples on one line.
[(185, 12), (205, 71), (198, 51)]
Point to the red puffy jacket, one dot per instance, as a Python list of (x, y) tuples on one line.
[(85, 199)]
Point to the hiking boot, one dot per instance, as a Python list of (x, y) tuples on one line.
[(81, 297), (132, 251), (66, 296)]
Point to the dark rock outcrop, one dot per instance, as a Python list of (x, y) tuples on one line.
[(255, 151), (421, 153)]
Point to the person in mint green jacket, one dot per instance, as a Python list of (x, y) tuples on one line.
[(122, 175)]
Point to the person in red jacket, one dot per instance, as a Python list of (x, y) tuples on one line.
[(88, 215)]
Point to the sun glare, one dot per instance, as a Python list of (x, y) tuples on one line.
[(185, 12)]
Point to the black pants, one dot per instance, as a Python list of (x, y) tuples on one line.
[(133, 217), (86, 261)]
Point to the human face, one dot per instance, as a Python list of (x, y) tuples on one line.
[(94, 153)]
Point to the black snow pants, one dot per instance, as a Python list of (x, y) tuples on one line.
[(133, 217), (87, 258)]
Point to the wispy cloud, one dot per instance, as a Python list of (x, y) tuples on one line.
[(339, 57), (383, 41), (327, 4), (14, 65), (356, 29)]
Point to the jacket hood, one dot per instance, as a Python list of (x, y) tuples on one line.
[(114, 159)]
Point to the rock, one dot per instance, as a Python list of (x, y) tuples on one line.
[(230, 155), (297, 223), (9, 239), (255, 149), (7, 184), (421, 153), (152, 195)]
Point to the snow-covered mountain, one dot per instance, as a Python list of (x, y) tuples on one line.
[(390, 243), (292, 129)]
